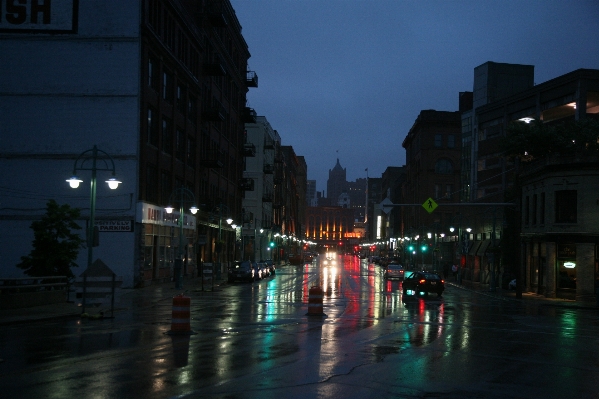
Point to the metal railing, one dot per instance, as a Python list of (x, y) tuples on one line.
[(33, 284)]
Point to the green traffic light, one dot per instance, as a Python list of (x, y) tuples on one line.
[(272, 244), (423, 248)]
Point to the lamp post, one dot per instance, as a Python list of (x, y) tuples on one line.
[(462, 245), (220, 228), (181, 195), (88, 160), (261, 233)]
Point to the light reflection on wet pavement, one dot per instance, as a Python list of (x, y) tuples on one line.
[(255, 339)]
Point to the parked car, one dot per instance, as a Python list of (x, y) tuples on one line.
[(271, 266), (242, 271), (394, 270), (423, 283)]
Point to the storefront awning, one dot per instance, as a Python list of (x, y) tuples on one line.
[(483, 247)]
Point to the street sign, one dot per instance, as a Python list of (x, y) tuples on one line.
[(430, 205), (386, 205)]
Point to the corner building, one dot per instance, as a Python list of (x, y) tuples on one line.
[(158, 85)]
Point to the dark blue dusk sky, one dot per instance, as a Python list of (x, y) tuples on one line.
[(347, 78)]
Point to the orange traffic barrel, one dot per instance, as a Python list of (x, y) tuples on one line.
[(181, 316), (315, 297)]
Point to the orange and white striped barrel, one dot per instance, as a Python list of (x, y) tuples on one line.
[(315, 297), (181, 315)]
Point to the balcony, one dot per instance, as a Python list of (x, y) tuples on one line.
[(246, 184), (267, 197), (268, 169), (251, 79), (249, 150), (248, 115), (269, 145), (211, 159)]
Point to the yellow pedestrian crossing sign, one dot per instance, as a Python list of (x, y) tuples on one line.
[(430, 205)]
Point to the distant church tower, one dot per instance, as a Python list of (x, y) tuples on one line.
[(337, 183)]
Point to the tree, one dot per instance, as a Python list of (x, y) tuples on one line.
[(55, 245)]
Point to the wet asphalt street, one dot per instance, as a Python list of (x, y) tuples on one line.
[(255, 340)]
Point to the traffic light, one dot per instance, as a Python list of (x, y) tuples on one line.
[(423, 248), (411, 248), (272, 244)]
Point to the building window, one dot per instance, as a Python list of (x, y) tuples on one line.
[(192, 110), (534, 209), (450, 141), (448, 191), (527, 210), (180, 145), (165, 186), (152, 128), (443, 167), (566, 206), (151, 179), (181, 104), (191, 153), (167, 137), (152, 74), (438, 141), (167, 87), (154, 15), (542, 209)]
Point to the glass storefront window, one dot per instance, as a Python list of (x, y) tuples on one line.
[(566, 278), (148, 261)]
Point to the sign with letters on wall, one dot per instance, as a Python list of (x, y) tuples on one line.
[(39, 16), (566, 251)]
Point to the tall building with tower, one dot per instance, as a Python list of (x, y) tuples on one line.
[(337, 183)]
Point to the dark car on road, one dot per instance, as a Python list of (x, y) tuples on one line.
[(394, 270), (271, 266), (259, 271), (241, 271), (422, 283), (264, 269)]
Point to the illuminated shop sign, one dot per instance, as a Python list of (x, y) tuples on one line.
[(39, 16), (352, 235), (569, 265)]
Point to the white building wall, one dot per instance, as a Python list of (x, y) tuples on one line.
[(61, 94), (258, 133)]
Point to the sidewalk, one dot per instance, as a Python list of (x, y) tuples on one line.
[(526, 296), (125, 298)]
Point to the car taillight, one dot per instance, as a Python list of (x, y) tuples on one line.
[(443, 281), (422, 281)]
